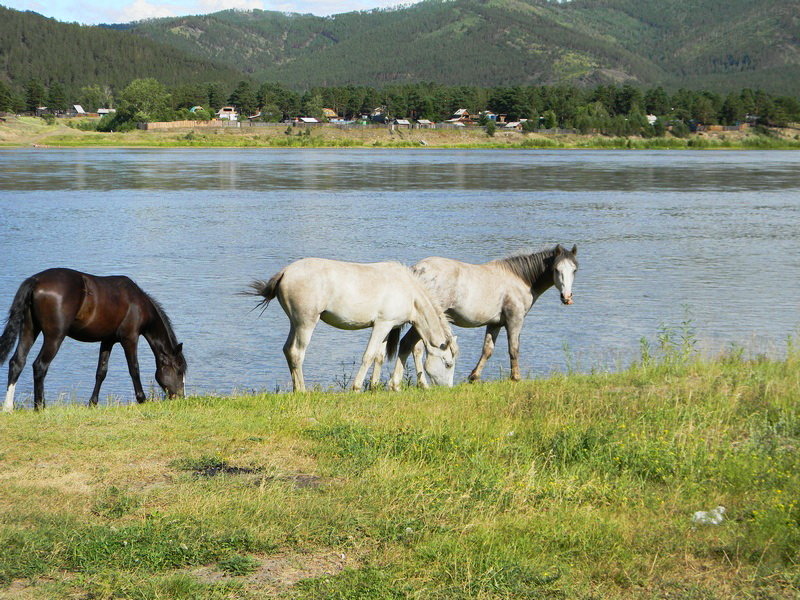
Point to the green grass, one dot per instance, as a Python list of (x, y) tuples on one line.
[(574, 486), (25, 131), (557, 142)]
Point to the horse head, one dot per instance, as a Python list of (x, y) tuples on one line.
[(565, 265), (171, 371), (440, 363)]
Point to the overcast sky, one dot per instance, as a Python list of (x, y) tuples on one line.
[(122, 11)]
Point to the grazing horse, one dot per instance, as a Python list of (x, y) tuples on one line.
[(495, 294), (346, 295), (87, 308)]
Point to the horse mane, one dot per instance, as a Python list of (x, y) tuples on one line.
[(444, 318), (173, 339), (528, 267)]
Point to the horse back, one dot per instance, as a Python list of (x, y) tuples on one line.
[(347, 295), (87, 307), (473, 295)]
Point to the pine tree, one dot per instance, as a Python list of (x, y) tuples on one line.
[(34, 95), (6, 102), (56, 97), (244, 99)]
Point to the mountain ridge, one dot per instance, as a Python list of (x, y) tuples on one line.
[(504, 42), (701, 44)]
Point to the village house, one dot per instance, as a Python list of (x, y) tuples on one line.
[(379, 115), (461, 116), (227, 113)]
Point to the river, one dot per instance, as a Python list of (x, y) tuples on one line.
[(661, 235)]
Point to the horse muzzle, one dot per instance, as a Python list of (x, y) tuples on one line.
[(566, 299)]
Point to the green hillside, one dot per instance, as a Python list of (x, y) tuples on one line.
[(698, 43), (33, 47)]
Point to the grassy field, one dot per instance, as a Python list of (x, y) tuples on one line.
[(574, 486), (29, 131)]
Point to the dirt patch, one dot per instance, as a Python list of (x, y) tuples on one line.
[(208, 467), (225, 469), (279, 572), (19, 588), (73, 482)]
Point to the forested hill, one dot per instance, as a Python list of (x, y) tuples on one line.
[(33, 47), (713, 44)]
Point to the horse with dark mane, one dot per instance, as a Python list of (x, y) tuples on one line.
[(496, 294), (63, 303)]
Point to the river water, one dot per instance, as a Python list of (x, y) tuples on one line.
[(659, 233)]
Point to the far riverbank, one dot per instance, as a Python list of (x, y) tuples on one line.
[(31, 131)]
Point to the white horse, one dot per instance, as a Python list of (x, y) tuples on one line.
[(496, 294), (346, 295)]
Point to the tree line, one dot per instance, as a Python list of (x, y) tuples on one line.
[(612, 109)]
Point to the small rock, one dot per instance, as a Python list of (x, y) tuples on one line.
[(715, 516)]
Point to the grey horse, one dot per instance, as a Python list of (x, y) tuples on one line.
[(495, 294)]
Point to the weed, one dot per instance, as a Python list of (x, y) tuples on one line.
[(238, 564), (363, 584), (114, 503)]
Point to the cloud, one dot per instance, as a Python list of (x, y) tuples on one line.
[(143, 9), (209, 6), (122, 11)]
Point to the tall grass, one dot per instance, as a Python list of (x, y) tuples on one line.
[(574, 486), (357, 139)]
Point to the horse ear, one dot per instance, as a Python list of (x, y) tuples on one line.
[(574, 249), (558, 250), (179, 348)]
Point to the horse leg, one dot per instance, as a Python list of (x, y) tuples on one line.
[(409, 341), (380, 330), (132, 357), (295, 351), (422, 380), (488, 348), (40, 366), (377, 366), (17, 362), (513, 330), (102, 369)]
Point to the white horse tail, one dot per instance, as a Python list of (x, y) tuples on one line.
[(267, 289)]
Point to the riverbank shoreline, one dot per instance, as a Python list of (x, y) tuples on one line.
[(21, 132), (575, 486)]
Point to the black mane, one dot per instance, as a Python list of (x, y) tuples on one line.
[(173, 339), (530, 267)]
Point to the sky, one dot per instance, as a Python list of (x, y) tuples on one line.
[(123, 11)]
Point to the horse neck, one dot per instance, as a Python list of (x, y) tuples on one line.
[(158, 333), (429, 320), (544, 282)]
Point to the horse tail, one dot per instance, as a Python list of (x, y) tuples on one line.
[(267, 289), (16, 315), (393, 342)]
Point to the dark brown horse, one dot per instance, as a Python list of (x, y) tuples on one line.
[(62, 302)]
